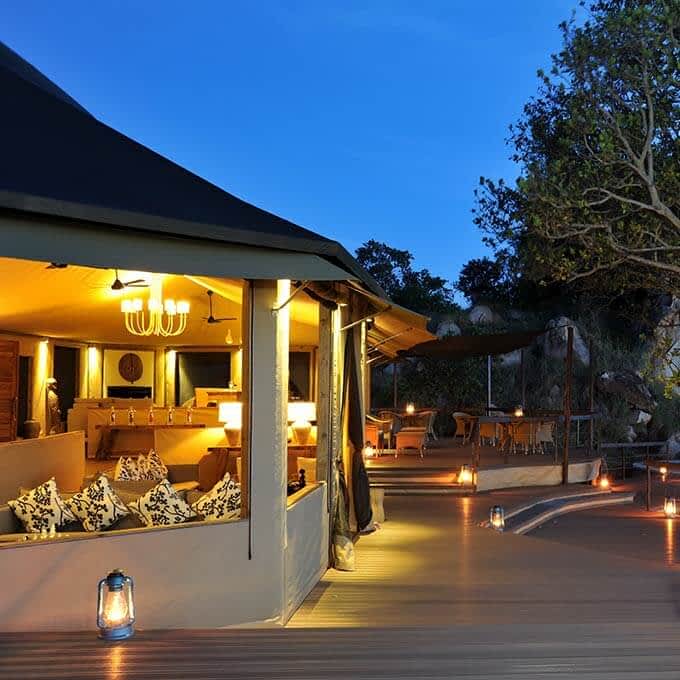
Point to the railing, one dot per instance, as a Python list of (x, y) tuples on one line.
[(620, 456)]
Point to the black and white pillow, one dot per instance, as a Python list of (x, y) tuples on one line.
[(126, 470), (155, 468), (222, 502), (97, 506), (42, 508), (162, 506)]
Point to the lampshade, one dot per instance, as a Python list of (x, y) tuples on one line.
[(301, 411), (230, 412)]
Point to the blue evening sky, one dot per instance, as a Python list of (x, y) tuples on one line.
[(357, 120)]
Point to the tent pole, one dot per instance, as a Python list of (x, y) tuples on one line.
[(567, 403), (523, 378), (394, 384), (488, 383), (591, 401)]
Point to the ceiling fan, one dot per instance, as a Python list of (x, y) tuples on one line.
[(135, 283), (211, 318)]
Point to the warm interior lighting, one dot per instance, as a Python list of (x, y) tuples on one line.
[(670, 507), (230, 414), (229, 339), (497, 518), (115, 606), (519, 412), (164, 318), (300, 415), (410, 408), (465, 476)]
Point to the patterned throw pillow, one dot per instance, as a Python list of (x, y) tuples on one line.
[(126, 470), (162, 506), (41, 508), (222, 502), (97, 506), (155, 467)]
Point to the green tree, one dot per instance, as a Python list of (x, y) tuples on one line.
[(598, 198), (415, 289)]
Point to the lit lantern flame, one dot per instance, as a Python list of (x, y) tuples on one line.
[(116, 609), (497, 518), (670, 507), (519, 412), (604, 482), (663, 471), (369, 451), (465, 476), (410, 408)]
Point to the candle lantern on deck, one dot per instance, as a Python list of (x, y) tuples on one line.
[(604, 482), (519, 411), (670, 507), (115, 607), (466, 475), (410, 408), (369, 451), (663, 471), (497, 518)]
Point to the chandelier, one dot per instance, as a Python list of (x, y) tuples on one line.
[(161, 317)]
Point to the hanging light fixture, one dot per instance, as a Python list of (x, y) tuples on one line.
[(162, 317), (229, 339), (115, 606)]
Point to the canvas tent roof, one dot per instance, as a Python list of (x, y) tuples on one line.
[(464, 346), (60, 161)]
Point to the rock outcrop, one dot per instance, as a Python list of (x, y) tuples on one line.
[(481, 314), (629, 386), (555, 340), (447, 327)]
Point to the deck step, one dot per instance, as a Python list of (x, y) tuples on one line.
[(410, 471)]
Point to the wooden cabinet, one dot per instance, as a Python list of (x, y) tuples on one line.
[(9, 389)]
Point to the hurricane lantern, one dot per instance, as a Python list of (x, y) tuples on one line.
[(465, 476), (369, 451), (497, 518), (115, 607), (410, 408), (663, 471), (519, 411), (604, 482), (670, 507)]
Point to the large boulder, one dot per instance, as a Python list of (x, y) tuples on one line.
[(481, 314), (629, 386), (555, 340), (447, 327), (511, 358), (672, 447)]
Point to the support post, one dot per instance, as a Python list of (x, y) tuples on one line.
[(567, 403), (488, 384), (523, 378), (395, 376), (591, 402), (649, 483)]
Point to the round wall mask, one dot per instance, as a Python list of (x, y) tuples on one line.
[(130, 367)]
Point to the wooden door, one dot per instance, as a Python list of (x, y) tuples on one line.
[(9, 389)]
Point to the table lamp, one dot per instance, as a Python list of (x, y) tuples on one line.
[(230, 415), (300, 414)]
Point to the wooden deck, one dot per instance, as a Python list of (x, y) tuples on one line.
[(434, 596)]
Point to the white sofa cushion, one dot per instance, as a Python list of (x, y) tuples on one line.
[(42, 508), (97, 506), (162, 506)]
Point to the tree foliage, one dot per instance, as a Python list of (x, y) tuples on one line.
[(598, 199), (416, 289)]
